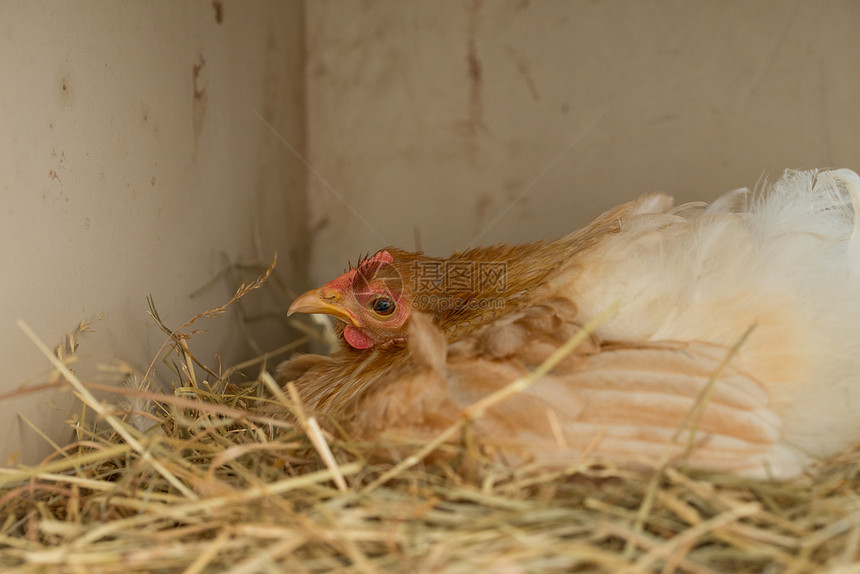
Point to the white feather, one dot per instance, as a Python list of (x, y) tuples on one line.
[(786, 260)]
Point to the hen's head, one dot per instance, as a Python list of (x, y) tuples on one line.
[(368, 299)]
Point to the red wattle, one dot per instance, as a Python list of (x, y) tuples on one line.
[(357, 338)]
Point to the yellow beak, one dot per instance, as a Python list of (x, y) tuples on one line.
[(322, 301)]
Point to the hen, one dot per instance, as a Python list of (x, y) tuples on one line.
[(424, 338)]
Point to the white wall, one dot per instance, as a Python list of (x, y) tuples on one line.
[(507, 121), (131, 158)]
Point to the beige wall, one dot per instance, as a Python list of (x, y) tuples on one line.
[(513, 120), (131, 158)]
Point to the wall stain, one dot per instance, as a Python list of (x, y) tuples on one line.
[(482, 207), (198, 98), (53, 173), (474, 124), (147, 119), (66, 91), (218, 6), (475, 71), (65, 84), (525, 71)]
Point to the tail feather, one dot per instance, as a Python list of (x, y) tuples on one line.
[(850, 181), (788, 261)]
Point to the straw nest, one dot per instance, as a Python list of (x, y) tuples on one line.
[(220, 482)]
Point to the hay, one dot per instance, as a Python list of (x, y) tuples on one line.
[(221, 484)]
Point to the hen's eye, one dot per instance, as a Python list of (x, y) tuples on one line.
[(382, 306)]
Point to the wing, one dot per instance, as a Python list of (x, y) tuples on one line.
[(632, 405), (627, 404)]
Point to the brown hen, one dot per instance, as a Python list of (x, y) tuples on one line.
[(425, 338)]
